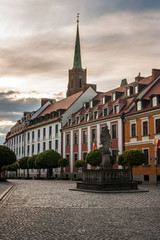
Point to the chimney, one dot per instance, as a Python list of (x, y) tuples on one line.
[(45, 100), (155, 74), (138, 78)]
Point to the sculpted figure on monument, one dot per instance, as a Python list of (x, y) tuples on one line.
[(105, 140)]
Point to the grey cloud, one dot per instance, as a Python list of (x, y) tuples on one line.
[(17, 105)]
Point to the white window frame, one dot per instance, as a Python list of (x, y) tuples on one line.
[(139, 105), (154, 101), (156, 117), (136, 89), (133, 139), (145, 119)]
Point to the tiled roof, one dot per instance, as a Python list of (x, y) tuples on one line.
[(62, 104)]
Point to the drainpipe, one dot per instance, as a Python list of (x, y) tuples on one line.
[(123, 132), (60, 120)]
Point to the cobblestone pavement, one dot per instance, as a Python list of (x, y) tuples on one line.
[(4, 187), (46, 210)]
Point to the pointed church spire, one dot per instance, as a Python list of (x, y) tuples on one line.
[(77, 53)]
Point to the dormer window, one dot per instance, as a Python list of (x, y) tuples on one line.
[(115, 109), (103, 100), (86, 117), (77, 120), (105, 112), (91, 104), (128, 92), (69, 122), (95, 115), (139, 105), (136, 89), (113, 96), (84, 106), (154, 101)]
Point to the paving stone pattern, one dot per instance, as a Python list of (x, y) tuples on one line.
[(46, 210)]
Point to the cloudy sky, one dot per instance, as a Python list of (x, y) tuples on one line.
[(119, 39)]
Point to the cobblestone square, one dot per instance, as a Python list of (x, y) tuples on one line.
[(36, 210)]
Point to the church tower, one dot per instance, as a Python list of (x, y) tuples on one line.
[(77, 75)]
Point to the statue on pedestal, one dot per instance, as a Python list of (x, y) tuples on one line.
[(105, 138)]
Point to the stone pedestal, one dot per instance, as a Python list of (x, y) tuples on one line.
[(106, 163), (107, 180)]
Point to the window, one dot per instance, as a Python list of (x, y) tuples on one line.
[(68, 139), (157, 126), (84, 133), (19, 151), (105, 112), (32, 136), (67, 156), (95, 115), (80, 82), (158, 156), (56, 144), (38, 148), (128, 92), (103, 100), (84, 155), (76, 138), (136, 89), (77, 120), (93, 136), (38, 134), (28, 149), (22, 150), (146, 177), (22, 138), (32, 149), (44, 133), (28, 137), (133, 130), (50, 131), (114, 131), (113, 96), (114, 156), (145, 128), (154, 101), (139, 106), (56, 130), (146, 152), (44, 146), (69, 122), (116, 109), (75, 156), (86, 117), (19, 139), (91, 104), (50, 144)]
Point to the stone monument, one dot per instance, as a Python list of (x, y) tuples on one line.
[(106, 178), (105, 142)]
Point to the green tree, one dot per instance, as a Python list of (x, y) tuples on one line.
[(7, 156), (132, 158), (48, 159), (12, 168), (22, 162), (63, 162), (31, 162), (94, 158), (79, 164)]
